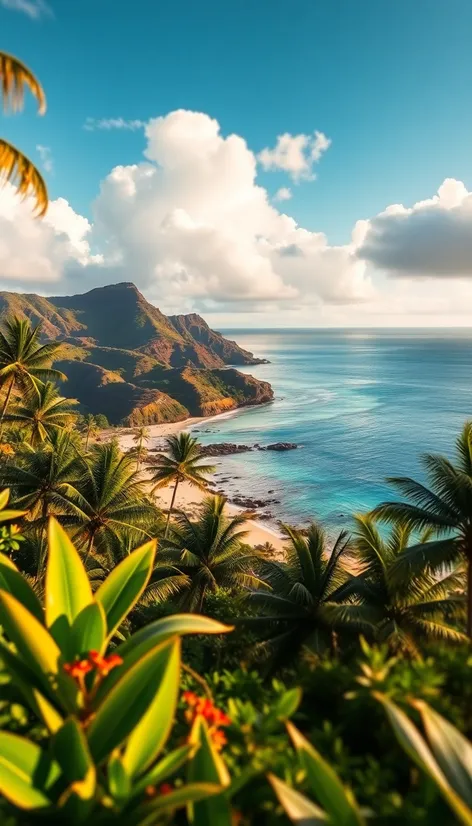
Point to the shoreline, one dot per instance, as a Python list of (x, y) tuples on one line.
[(190, 498)]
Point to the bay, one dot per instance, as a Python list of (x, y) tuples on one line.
[(362, 405)]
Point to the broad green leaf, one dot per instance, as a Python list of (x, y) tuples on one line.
[(15, 583), (119, 782), (150, 735), (451, 749), (35, 647), (4, 498), (165, 768), (30, 687), (337, 800), (26, 772), (415, 746), (33, 642), (183, 796), (123, 587), (208, 766), (287, 704), (295, 805), (128, 701), (10, 515), (89, 629), (156, 632), (68, 589), (72, 753)]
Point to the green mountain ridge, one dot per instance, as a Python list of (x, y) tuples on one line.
[(135, 365)]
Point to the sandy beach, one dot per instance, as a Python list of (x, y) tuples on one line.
[(188, 497)]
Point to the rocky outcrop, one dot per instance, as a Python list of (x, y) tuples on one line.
[(228, 351)]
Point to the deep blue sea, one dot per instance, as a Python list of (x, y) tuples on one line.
[(362, 405)]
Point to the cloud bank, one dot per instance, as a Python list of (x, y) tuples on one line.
[(191, 226)]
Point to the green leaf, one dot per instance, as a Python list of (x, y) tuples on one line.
[(118, 780), (451, 749), (287, 704), (72, 753), (123, 587), (150, 735), (337, 800), (29, 685), (165, 768), (89, 629), (183, 796), (128, 701), (207, 766), (15, 583), (26, 773), (415, 746), (156, 632), (68, 589), (295, 805), (36, 648)]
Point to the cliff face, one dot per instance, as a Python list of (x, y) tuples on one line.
[(135, 365)]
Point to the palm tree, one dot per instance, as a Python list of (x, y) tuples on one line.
[(141, 437), (182, 463), (302, 604), (408, 609), (24, 361), (112, 506), (210, 552), (43, 480), (14, 76), (42, 413), (90, 428), (444, 508)]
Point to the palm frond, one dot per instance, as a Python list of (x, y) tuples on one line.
[(14, 77), (18, 169)]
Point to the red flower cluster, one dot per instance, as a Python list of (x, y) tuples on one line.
[(202, 706), (153, 791), (94, 662)]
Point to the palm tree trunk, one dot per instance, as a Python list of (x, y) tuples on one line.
[(202, 599), (87, 438), (5, 405), (469, 595), (171, 508), (44, 520)]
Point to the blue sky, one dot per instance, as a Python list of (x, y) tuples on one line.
[(388, 81)]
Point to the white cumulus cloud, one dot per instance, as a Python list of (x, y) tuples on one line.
[(295, 154), (431, 238), (192, 227), (283, 194)]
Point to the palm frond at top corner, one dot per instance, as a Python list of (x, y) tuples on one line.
[(14, 78), (17, 168)]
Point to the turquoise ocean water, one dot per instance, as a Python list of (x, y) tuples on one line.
[(362, 405)]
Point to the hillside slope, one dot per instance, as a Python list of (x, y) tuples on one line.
[(135, 365)]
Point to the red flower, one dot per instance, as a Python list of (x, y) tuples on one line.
[(166, 788), (104, 664), (203, 707), (78, 668), (218, 737)]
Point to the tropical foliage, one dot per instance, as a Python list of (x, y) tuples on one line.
[(444, 508), (181, 463), (14, 165), (339, 633)]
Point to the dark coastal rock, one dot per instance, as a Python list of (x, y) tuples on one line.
[(223, 449), (280, 446)]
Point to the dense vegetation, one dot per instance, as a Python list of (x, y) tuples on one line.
[(109, 712)]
